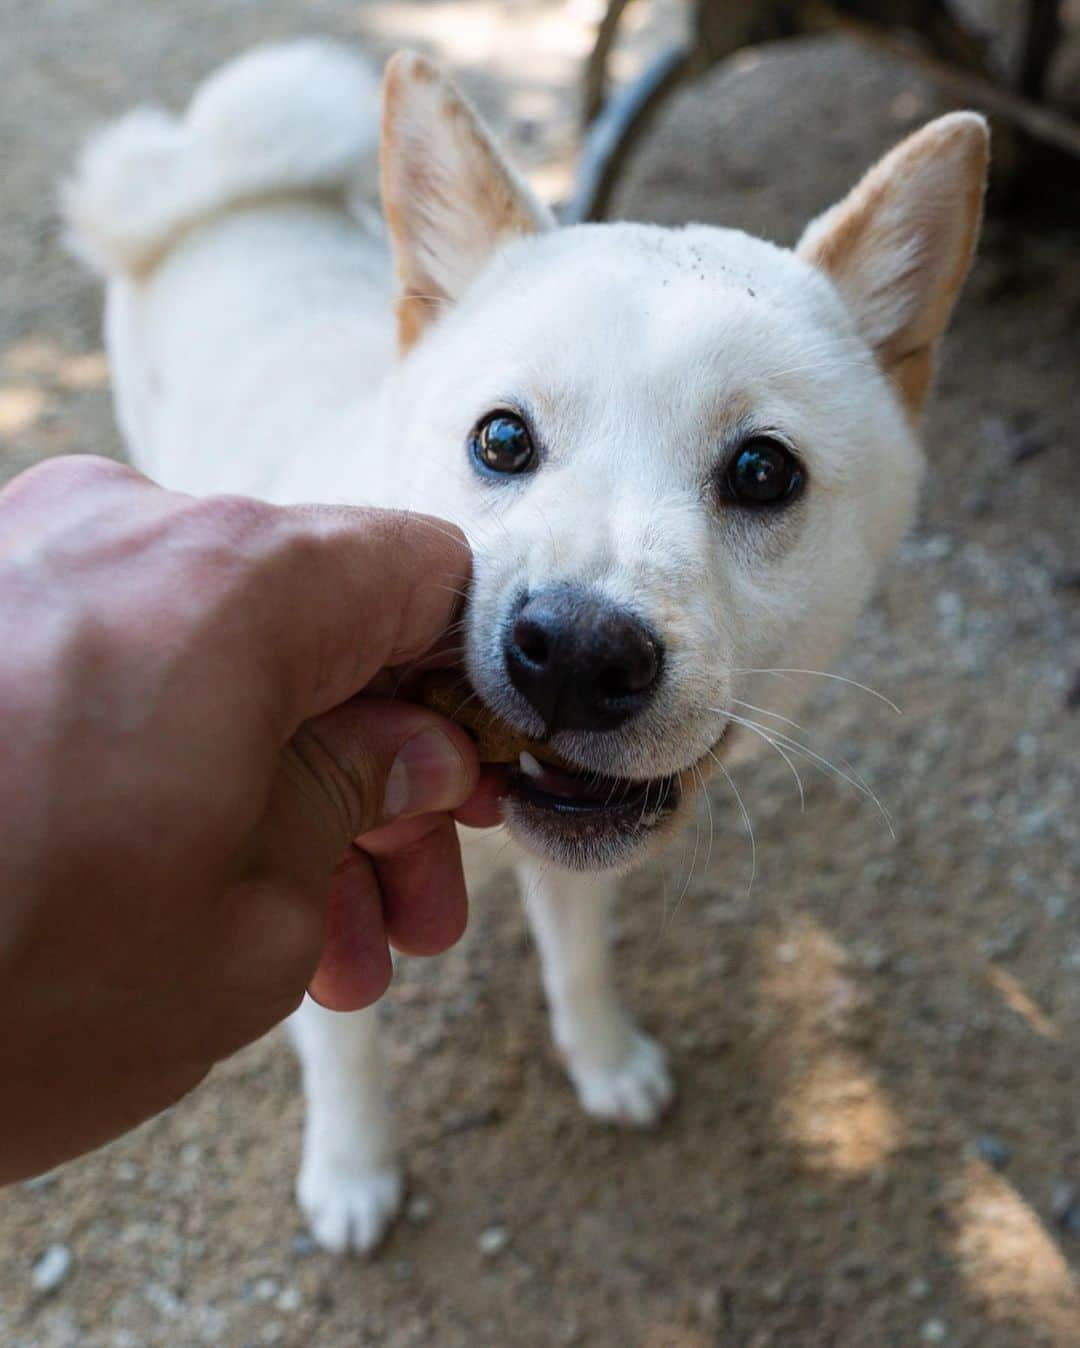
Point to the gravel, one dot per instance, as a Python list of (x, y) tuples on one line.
[(52, 1269)]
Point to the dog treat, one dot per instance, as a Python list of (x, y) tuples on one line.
[(452, 695)]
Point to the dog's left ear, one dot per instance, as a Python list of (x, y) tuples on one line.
[(898, 247), (449, 196)]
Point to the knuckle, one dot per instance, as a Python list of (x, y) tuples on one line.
[(85, 468), (300, 551), (224, 547), (239, 523), (64, 473)]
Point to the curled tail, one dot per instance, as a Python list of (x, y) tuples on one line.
[(292, 118)]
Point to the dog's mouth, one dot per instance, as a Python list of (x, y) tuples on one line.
[(580, 817), (586, 820), (590, 793)]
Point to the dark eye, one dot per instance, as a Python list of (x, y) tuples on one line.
[(501, 443), (763, 472)]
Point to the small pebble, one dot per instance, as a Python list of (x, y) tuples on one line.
[(1010, 935), (918, 1289), (1065, 1205), (1027, 445), (906, 106), (420, 1209), (934, 1331), (875, 958), (708, 1304), (289, 1300), (937, 548), (722, 913), (978, 504), (52, 1269), (775, 1290), (39, 1182), (265, 1289), (164, 1300), (493, 1241), (855, 1265), (993, 1150)]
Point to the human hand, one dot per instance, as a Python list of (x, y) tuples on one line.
[(192, 744)]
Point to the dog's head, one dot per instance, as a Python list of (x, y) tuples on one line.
[(681, 455)]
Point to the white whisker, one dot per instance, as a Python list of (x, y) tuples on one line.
[(746, 820), (757, 730), (796, 746), (823, 674), (738, 702), (451, 589), (708, 803), (670, 917)]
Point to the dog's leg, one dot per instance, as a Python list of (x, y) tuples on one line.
[(620, 1074), (350, 1184)]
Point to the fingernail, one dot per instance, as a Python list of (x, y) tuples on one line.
[(428, 774)]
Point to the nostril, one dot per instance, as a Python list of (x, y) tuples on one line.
[(531, 641)]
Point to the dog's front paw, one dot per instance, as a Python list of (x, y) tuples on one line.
[(633, 1088), (349, 1212)]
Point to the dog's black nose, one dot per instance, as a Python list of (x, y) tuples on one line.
[(582, 663)]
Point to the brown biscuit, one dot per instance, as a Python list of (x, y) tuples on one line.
[(452, 695)]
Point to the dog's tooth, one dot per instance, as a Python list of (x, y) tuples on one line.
[(528, 765)]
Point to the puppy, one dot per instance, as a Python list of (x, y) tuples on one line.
[(681, 457)]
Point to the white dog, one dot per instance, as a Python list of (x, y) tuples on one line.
[(681, 457)]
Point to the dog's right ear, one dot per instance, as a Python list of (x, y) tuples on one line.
[(448, 195)]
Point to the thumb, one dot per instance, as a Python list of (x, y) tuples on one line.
[(361, 766)]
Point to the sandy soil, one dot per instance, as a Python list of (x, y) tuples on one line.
[(877, 1141)]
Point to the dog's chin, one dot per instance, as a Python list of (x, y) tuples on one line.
[(583, 821)]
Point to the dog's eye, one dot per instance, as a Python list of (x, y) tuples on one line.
[(763, 472), (501, 443)]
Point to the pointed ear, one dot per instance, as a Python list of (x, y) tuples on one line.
[(448, 195), (898, 247)]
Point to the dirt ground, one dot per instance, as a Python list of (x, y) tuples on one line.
[(876, 1143)]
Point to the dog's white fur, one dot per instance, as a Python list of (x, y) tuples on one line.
[(250, 328)]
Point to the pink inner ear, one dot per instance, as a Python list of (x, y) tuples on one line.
[(449, 197), (899, 245)]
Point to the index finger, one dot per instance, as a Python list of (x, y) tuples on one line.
[(356, 590), (311, 601)]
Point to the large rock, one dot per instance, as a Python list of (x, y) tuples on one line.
[(766, 140)]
